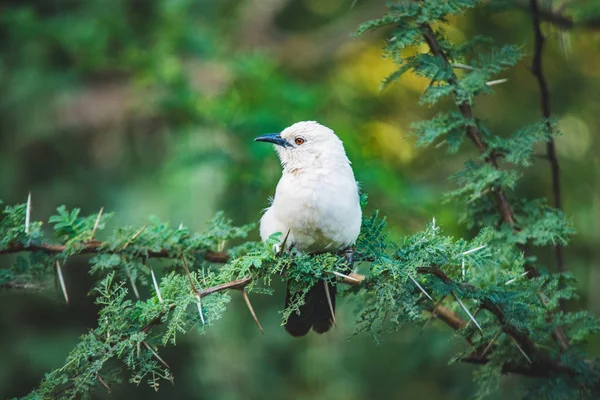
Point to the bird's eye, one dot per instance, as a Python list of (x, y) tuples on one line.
[(299, 141)]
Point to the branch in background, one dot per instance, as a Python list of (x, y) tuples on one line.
[(538, 366), (558, 19), (472, 132), (537, 71), (475, 136)]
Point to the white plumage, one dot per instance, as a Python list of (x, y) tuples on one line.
[(316, 205), (317, 198)]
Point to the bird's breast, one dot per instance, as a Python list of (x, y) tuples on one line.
[(321, 209)]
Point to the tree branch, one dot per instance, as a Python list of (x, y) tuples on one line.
[(446, 315), (558, 19), (540, 365), (475, 136), (471, 129), (537, 71), (94, 246)]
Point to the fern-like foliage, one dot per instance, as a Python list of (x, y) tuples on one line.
[(518, 324)]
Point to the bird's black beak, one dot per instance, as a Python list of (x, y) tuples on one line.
[(274, 138)]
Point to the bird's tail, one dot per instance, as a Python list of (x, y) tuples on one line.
[(317, 311)]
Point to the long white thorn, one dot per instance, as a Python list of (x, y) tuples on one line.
[(133, 285), (463, 270), (489, 346), (521, 350), (97, 223), (329, 302), (496, 82), (514, 279), (247, 299), (199, 304), (344, 276), (462, 66), (474, 250), (467, 311), (61, 279), (28, 214), (155, 354), (156, 288), (420, 287)]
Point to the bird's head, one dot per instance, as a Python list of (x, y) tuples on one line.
[(306, 144)]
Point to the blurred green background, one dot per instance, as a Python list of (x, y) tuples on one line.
[(149, 107)]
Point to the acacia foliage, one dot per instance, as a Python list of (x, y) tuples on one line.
[(520, 301)]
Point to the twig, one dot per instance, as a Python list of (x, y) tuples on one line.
[(237, 284)]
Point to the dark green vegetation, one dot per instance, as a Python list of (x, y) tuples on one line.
[(150, 107)]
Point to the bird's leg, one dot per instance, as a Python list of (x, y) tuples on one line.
[(349, 256), (291, 248)]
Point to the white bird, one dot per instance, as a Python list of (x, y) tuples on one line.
[(316, 205)]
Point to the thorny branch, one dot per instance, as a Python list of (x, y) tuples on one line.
[(95, 246), (537, 71), (239, 284), (440, 312), (475, 136), (538, 366), (471, 129)]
